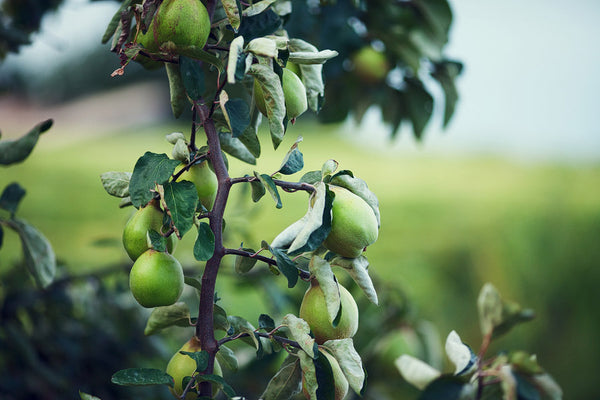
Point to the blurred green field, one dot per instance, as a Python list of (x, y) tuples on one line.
[(448, 225)]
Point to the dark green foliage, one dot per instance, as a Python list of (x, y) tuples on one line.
[(55, 342)]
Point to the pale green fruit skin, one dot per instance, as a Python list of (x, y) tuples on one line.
[(181, 365), (135, 238), (339, 379), (370, 64), (314, 311), (183, 22), (205, 181), (156, 279), (353, 226), (294, 94)]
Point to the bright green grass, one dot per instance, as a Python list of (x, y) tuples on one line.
[(448, 225)]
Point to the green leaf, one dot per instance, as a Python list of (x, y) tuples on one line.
[(489, 305), (293, 161), (233, 13), (116, 183), (179, 100), (445, 73), (459, 354), (200, 357), (249, 138), (258, 190), (548, 386), (311, 177), (244, 264), (267, 181), (309, 376), (227, 358), (85, 396), (39, 255), (198, 53), (1, 235), (299, 332), (150, 170), (498, 316), (358, 270), (204, 247), (193, 77), (236, 63), (308, 233), (349, 360), (259, 25), (272, 92), (236, 148), (114, 22), (286, 266), (329, 167), (419, 104), (321, 270), (324, 374), (181, 151), (240, 325), (141, 377), (416, 372), (220, 319), (15, 151), (444, 387), (217, 380), (177, 314), (193, 282), (11, 197), (264, 47), (266, 323), (312, 74), (286, 383), (311, 57), (237, 114), (158, 241), (181, 199)]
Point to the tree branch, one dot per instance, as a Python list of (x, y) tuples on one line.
[(239, 252), (285, 185), (205, 324)]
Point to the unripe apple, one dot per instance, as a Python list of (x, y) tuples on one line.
[(182, 365), (370, 65), (135, 234), (156, 279), (294, 94), (205, 181), (314, 311), (339, 380), (353, 224), (183, 22)]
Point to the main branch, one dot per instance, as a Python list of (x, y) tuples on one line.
[(205, 325)]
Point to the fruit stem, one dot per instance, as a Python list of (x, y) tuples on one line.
[(205, 325)]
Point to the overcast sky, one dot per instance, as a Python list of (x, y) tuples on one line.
[(530, 87)]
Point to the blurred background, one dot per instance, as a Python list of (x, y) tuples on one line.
[(508, 193)]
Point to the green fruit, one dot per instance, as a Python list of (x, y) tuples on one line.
[(295, 68), (135, 238), (314, 311), (182, 365), (183, 22), (396, 343), (339, 379), (294, 94), (156, 279), (370, 64), (205, 180), (353, 225)]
